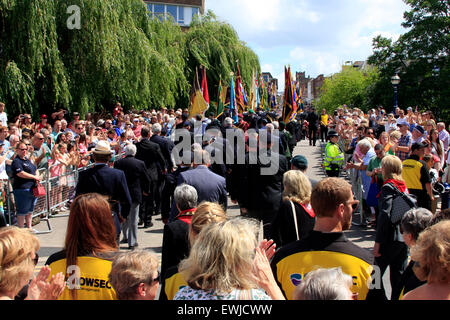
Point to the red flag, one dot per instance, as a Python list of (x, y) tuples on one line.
[(205, 87), (239, 93)]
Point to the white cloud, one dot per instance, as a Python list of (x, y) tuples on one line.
[(310, 35)]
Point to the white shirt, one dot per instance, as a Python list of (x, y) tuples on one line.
[(444, 136), (4, 119)]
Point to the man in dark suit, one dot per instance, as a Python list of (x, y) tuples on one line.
[(106, 181), (313, 120), (138, 182), (151, 154), (210, 186), (171, 183), (166, 146), (262, 182)]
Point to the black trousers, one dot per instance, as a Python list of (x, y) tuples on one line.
[(323, 133), (312, 132), (332, 173), (394, 255), (147, 207), (266, 217)]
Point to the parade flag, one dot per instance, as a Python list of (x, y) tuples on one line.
[(240, 95), (220, 100), (289, 105), (198, 104), (233, 104), (252, 93), (205, 92)]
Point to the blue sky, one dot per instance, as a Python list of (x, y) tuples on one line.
[(316, 36)]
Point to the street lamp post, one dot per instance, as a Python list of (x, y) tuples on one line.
[(395, 80)]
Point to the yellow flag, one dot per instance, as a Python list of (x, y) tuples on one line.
[(198, 105)]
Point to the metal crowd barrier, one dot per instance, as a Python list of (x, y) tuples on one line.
[(60, 190)]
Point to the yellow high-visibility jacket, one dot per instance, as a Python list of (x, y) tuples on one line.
[(333, 155)]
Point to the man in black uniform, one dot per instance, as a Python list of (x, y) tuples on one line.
[(151, 154), (313, 120)]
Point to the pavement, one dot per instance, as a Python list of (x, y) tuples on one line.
[(151, 238)]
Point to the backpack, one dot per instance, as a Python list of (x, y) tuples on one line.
[(401, 203)]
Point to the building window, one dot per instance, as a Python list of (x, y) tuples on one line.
[(195, 11), (158, 11), (172, 11), (180, 15)]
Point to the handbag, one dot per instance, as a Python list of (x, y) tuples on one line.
[(39, 190), (372, 200), (401, 203)]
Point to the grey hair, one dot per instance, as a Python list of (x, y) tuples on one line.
[(365, 143), (130, 150), (185, 197), (156, 128), (416, 220), (228, 121), (325, 284)]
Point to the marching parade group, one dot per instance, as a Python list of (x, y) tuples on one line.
[(392, 168)]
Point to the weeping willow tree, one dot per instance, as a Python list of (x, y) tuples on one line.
[(32, 74), (118, 53), (216, 46)]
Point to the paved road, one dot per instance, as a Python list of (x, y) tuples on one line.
[(151, 238)]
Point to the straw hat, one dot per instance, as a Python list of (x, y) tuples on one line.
[(102, 147)]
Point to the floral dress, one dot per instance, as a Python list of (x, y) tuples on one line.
[(187, 293)]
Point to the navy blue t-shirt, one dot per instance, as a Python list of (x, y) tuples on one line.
[(25, 165)]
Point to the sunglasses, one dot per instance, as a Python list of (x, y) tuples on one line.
[(355, 204), (23, 149), (36, 259)]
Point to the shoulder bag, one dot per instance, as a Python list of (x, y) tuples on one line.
[(294, 215), (401, 203)]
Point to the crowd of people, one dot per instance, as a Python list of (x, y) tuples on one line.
[(135, 165)]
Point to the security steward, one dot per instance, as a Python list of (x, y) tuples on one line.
[(334, 157)]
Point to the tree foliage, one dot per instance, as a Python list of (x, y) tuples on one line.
[(420, 57), (118, 53), (215, 45), (350, 86)]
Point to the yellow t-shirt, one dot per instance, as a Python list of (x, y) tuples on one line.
[(93, 278), (324, 119)]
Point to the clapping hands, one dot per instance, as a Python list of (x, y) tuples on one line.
[(42, 288)]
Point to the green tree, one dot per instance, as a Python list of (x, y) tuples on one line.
[(420, 57), (216, 45), (349, 87), (118, 53)]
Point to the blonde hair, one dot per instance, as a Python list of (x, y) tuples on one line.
[(392, 166), (129, 269), (206, 213), (16, 263), (297, 186), (432, 253), (395, 135), (222, 256)]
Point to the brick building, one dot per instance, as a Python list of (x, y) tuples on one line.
[(310, 86), (182, 11)]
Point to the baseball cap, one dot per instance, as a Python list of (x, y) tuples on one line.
[(332, 133), (299, 161), (44, 116), (402, 122), (420, 129)]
